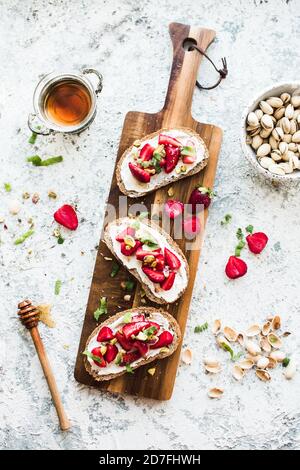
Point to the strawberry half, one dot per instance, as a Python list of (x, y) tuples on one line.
[(134, 328), (97, 352), (140, 253), (164, 339), (105, 334), (128, 231), (173, 208), (154, 276), (126, 344), (171, 260), (130, 250), (111, 353), (146, 152), (130, 357), (235, 267), (257, 242), (142, 347), (200, 198), (139, 173), (172, 157), (168, 283), (67, 217), (167, 140)]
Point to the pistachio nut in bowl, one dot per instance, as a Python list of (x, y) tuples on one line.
[(271, 133)]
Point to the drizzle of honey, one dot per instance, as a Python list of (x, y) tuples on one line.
[(68, 103)]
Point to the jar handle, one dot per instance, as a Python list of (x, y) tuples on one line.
[(36, 125), (99, 86)]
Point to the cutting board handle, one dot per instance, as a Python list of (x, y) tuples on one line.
[(178, 103)]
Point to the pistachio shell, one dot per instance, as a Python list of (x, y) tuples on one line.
[(262, 362), (187, 356), (296, 137), (257, 142), (259, 114), (276, 170), (287, 167), (265, 107), (274, 341), (278, 356), (285, 97), (216, 327), (263, 150), (252, 119), (276, 156), (253, 330), (283, 147), (275, 102), (266, 328), (267, 122), (252, 347), (293, 128), (246, 364), (277, 133), (237, 372), (290, 370), (273, 142), (263, 375), (265, 345), (276, 322), (215, 392), (265, 162), (289, 111), (295, 100), (240, 339), (285, 125), (272, 363), (279, 113), (265, 133), (293, 147), (287, 138), (230, 333)]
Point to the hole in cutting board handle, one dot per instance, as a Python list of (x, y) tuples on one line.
[(187, 43)]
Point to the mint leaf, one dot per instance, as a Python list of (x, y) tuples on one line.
[(102, 309), (23, 237), (150, 331), (234, 357), (249, 228), (227, 219), (7, 187), (127, 317), (37, 161), (60, 240), (129, 286), (115, 269), (239, 234), (32, 138), (239, 248), (129, 369), (285, 362), (92, 356), (57, 287), (148, 240), (201, 328)]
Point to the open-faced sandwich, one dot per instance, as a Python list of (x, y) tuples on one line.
[(150, 255), (128, 340), (159, 159)]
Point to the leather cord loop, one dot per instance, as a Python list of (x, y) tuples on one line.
[(222, 72)]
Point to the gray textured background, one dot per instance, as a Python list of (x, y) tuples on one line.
[(128, 42)]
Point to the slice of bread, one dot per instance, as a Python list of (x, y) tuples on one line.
[(148, 312), (170, 178), (150, 294)]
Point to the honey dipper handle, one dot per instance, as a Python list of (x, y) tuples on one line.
[(63, 419)]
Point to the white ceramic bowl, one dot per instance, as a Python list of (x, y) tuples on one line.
[(248, 150)]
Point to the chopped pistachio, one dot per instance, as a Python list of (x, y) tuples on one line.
[(25, 195), (137, 143), (171, 192), (52, 195), (151, 371), (127, 297)]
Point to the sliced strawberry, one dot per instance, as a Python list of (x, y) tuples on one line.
[(154, 276), (173, 208), (97, 352), (105, 334), (164, 339), (111, 353), (126, 344), (167, 140), (142, 347), (168, 283), (128, 231), (153, 323), (146, 152), (188, 159), (257, 242), (139, 173), (134, 328), (235, 267), (171, 260), (172, 157), (162, 162), (130, 250), (130, 357), (140, 253), (67, 217), (160, 262), (136, 318)]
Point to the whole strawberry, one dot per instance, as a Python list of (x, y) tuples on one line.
[(200, 198)]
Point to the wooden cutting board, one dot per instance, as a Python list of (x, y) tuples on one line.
[(176, 112)]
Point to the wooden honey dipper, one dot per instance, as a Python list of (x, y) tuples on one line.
[(29, 316)]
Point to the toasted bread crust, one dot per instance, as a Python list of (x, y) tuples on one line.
[(147, 311), (175, 177), (134, 272)]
